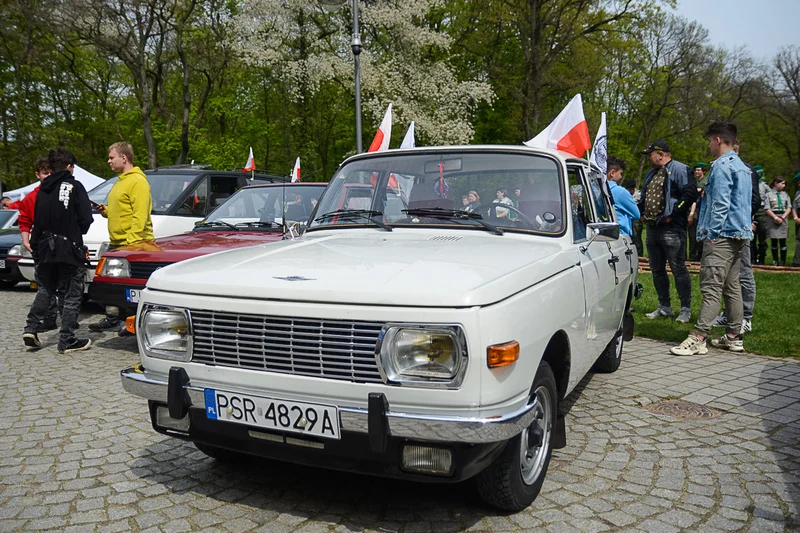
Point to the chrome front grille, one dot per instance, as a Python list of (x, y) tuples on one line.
[(331, 349)]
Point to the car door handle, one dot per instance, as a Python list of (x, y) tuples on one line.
[(613, 260)]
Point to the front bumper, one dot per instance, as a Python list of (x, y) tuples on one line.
[(106, 294), (448, 429)]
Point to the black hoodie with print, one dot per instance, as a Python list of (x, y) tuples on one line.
[(61, 216)]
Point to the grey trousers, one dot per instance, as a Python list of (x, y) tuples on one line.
[(52, 277), (720, 268)]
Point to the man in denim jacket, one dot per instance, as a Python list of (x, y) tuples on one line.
[(724, 227), (668, 192)]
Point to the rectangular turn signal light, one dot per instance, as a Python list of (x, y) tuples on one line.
[(98, 271), (130, 324), (504, 354)]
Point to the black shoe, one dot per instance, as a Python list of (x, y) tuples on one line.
[(75, 346), (31, 340), (125, 333), (104, 325), (47, 325)]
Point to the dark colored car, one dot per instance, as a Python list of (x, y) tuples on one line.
[(251, 216), (10, 254)]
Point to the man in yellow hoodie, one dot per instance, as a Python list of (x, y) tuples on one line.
[(128, 210)]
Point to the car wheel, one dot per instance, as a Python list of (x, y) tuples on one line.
[(514, 480), (611, 357), (220, 454), (7, 284)]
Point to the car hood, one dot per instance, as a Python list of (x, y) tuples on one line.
[(420, 268), (193, 244)]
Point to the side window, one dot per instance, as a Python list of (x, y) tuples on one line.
[(195, 203), (600, 197), (580, 204), (222, 187)]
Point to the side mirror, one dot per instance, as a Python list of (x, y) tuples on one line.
[(601, 231)]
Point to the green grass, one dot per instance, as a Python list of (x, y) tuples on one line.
[(776, 317)]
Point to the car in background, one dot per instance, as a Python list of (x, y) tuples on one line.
[(10, 255), (8, 218), (253, 215), (181, 197)]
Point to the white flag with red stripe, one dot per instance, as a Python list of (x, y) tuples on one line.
[(251, 162), (381, 140), (408, 140), (296, 171), (568, 132)]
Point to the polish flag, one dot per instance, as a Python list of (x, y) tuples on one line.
[(381, 140), (251, 162), (296, 171), (568, 132), (408, 140)]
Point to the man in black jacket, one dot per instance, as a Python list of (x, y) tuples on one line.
[(62, 216), (668, 192)]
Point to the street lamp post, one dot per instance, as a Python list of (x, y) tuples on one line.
[(355, 45)]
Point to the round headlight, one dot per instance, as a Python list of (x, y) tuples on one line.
[(116, 267), (422, 354), (166, 330)]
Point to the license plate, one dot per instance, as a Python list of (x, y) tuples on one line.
[(132, 295), (2, 263), (271, 413)]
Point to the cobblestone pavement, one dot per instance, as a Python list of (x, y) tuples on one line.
[(78, 454)]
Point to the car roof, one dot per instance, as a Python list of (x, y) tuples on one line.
[(295, 184), (198, 171), (517, 148)]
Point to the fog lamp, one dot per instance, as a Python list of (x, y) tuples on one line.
[(427, 460), (163, 420)]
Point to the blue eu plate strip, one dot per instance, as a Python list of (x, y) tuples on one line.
[(211, 404)]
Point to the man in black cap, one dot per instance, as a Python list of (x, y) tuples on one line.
[(668, 192)]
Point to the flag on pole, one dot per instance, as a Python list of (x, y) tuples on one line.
[(296, 171), (381, 140), (408, 140), (600, 151), (251, 162), (568, 132)]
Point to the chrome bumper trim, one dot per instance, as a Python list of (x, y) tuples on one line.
[(411, 426)]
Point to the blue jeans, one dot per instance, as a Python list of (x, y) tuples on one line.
[(667, 243)]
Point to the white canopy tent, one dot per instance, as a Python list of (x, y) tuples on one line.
[(89, 181)]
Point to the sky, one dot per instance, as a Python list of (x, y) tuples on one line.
[(761, 25)]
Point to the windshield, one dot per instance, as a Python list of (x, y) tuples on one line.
[(6, 216), (99, 194), (268, 204), (509, 191)]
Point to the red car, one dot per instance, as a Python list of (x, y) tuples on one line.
[(253, 215)]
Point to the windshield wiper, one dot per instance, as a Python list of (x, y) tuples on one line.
[(211, 223), (260, 224), (452, 214), (344, 214)]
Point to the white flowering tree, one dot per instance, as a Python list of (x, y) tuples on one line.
[(404, 60)]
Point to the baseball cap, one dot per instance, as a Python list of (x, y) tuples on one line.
[(659, 145)]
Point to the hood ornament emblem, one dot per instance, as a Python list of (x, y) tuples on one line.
[(293, 278)]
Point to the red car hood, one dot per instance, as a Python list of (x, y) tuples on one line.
[(193, 244)]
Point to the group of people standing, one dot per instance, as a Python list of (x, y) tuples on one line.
[(721, 209), (53, 219)]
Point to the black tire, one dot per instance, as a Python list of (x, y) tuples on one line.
[(7, 284), (220, 454), (610, 359), (505, 484)]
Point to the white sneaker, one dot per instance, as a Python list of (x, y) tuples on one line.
[(720, 321), (660, 312), (727, 343), (691, 346), (747, 326), (685, 315)]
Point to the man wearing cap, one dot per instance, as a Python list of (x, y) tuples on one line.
[(668, 192), (796, 217), (695, 248), (758, 246)]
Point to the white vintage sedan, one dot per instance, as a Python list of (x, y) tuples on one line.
[(441, 304)]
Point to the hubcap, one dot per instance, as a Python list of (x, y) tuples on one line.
[(535, 439)]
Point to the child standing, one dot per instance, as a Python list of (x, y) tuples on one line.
[(778, 208)]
